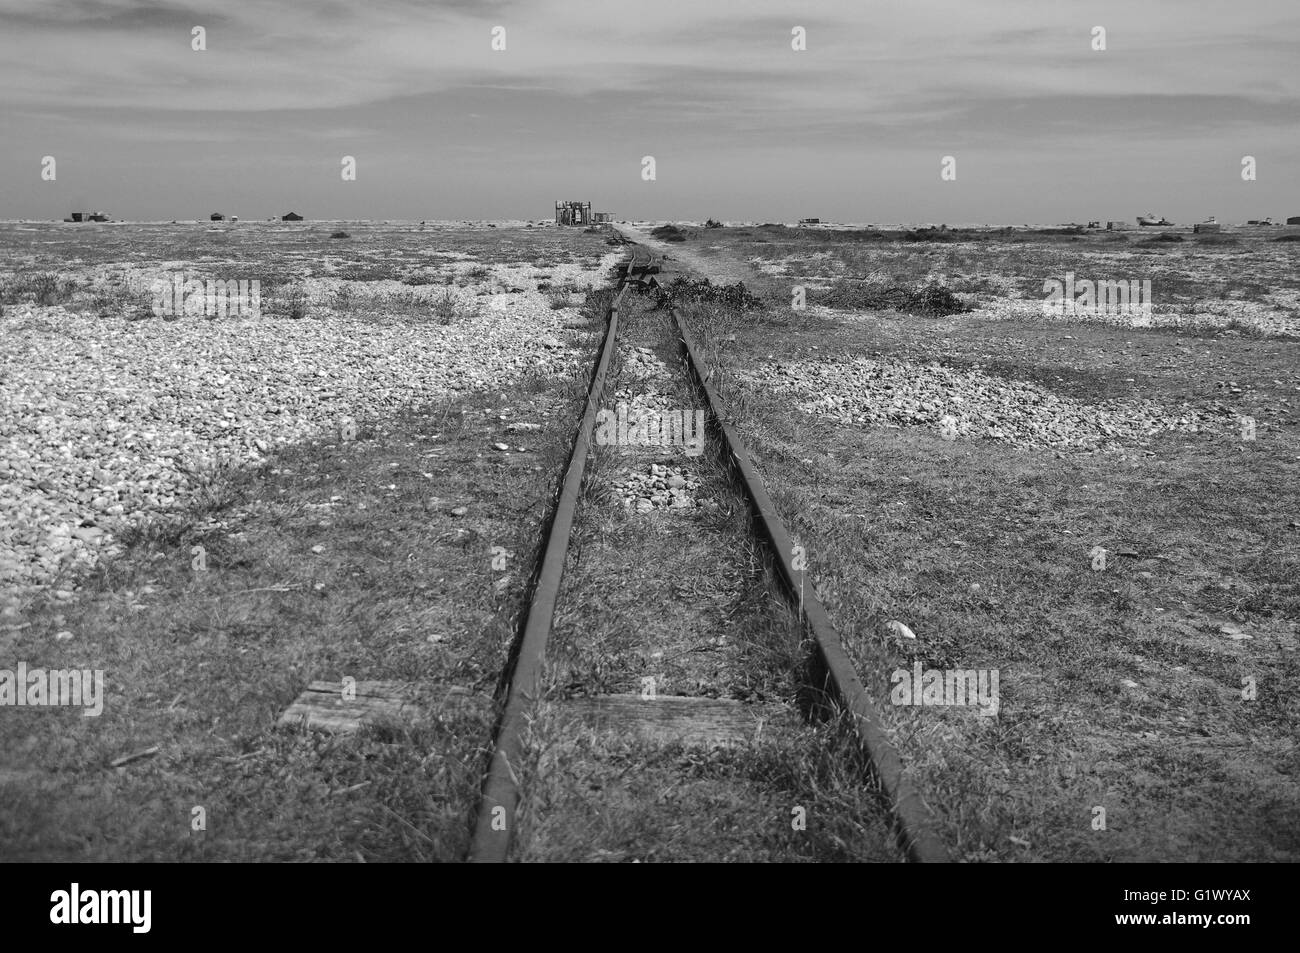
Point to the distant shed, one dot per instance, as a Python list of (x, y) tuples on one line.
[(291, 217), (572, 213), (1293, 220)]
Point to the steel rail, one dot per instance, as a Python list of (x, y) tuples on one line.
[(496, 819), (495, 824), (914, 821)]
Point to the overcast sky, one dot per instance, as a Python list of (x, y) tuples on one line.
[(741, 126)]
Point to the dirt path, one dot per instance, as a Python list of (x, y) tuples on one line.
[(717, 268)]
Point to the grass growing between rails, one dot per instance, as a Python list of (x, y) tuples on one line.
[(683, 598), (402, 555)]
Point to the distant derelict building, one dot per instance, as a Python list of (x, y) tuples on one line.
[(291, 217), (1293, 220), (572, 213)]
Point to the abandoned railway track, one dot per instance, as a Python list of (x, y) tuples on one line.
[(830, 686)]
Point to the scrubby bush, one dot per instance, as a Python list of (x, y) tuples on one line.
[(447, 307), (668, 233), (291, 301), (689, 291), (344, 297), (340, 235), (44, 288), (931, 298)]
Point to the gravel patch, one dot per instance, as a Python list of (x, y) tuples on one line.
[(900, 394), (1263, 318), (105, 422), (645, 382), (660, 488)]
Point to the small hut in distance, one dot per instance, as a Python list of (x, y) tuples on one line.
[(291, 217), (572, 213)]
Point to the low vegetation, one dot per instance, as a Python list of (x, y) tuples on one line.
[(668, 233), (1126, 685), (930, 298), (683, 290)]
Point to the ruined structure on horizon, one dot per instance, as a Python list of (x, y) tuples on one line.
[(572, 213), (291, 217)]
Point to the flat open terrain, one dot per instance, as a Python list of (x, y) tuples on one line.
[(957, 474), (216, 512)]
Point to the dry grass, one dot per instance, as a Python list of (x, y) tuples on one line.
[(683, 598), (331, 560), (1121, 688)]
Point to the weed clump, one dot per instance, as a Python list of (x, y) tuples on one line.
[(563, 296), (291, 301), (702, 291), (44, 288), (448, 308), (932, 298), (668, 233)]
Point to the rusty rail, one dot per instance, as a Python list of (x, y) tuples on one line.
[(494, 827), (914, 822)]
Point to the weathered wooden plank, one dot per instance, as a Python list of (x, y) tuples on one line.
[(688, 720), (322, 705)]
